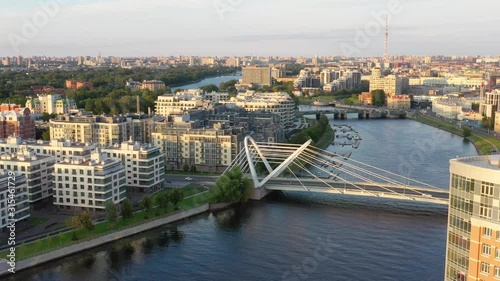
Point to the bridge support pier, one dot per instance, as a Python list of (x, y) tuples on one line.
[(258, 193)]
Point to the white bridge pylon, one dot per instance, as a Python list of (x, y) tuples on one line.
[(267, 162)]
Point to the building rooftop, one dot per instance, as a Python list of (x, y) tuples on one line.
[(491, 162)]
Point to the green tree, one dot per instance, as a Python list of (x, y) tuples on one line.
[(46, 134), (86, 220), (127, 210), (111, 212), (193, 169), (185, 168), (147, 203), (162, 201), (232, 187), (176, 196), (378, 98), (467, 132), (210, 88)]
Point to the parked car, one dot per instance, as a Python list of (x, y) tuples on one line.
[(189, 179)]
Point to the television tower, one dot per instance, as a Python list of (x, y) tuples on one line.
[(386, 56)]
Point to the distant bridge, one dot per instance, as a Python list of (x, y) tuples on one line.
[(327, 172)]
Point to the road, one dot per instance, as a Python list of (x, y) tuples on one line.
[(318, 186)]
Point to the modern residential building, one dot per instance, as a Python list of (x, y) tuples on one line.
[(279, 103), (144, 165), (37, 169), (59, 148), (17, 198), (89, 184), (102, 130), (51, 104), (473, 244), (185, 142), (172, 104), (391, 84), (17, 122), (256, 75), (491, 104)]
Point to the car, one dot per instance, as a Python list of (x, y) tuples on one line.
[(189, 179)]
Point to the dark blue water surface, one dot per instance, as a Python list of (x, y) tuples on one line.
[(297, 236)]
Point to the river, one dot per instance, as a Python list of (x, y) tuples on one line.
[(298, 236), (207, 81)]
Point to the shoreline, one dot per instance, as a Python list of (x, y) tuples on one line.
[(108, 238), (450, 131)]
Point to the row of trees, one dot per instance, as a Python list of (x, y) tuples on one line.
[(105, 81), (163, 200)]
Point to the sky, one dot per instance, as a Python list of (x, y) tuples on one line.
[(248, 27)]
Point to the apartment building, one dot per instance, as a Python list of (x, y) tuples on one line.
[(144, 165), (391, 84), (17, 122), (152, 85), (473, 245), (51, 104), (256, 75), (102, 130), (170, 104), (186, 143), (491, 104), (59, 148), (279, 103), (89, 184), (17, 199), (37, 170)]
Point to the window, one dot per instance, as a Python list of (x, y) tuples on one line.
[(485, 212), (497, 272), (486, 250), (487, 232), (487, 189), (498, 235), (485, 268), (497, 253)]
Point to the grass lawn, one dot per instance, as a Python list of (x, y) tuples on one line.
[(62, 240), (37, 221), (480, 140), (190, 189)]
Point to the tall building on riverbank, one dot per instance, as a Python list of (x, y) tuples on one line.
[(257, 75), (473, 247)]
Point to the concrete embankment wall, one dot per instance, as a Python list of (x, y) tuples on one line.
[(70, 250)]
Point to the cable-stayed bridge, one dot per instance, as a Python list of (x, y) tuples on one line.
[(292, 167)]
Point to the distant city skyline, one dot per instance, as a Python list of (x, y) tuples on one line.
[(240, 28)]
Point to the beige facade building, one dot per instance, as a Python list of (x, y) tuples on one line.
[(51, 104), (88, 184), (279, 103), (144, 165), (169, 105), (473, 244), (58, 148), (391, 84), (209, 149), (257, 75), (102, 130)]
